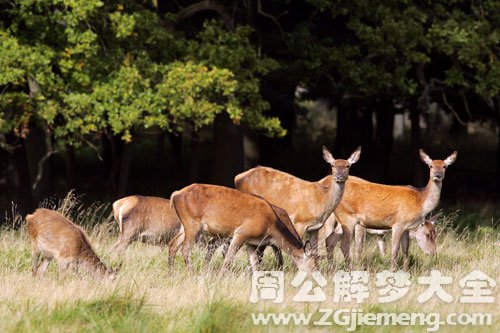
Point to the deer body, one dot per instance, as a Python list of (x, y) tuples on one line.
[(143, 217), (228, 213), (308, 203), (400, 208), (53, 236)]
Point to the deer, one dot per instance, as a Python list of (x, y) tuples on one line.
[(308, 204), (424, 234), (227, 213), (145, 218), (399, 208), (150, 219), (53, 236)]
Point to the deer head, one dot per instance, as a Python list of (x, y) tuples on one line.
[(425, 235), (340, 168), (437, 167)]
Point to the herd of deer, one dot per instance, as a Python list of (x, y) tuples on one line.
[(268, 207)]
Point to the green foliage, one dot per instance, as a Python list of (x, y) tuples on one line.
[(89, 67), (377, 46)]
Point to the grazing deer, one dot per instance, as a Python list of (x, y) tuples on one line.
[(150, 219), (424, 234), (400, 208), (308, 204), (53, 236), (247, 219), (145, 218)]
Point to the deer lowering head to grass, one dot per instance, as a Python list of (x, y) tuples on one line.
[(53, 236), (227, 213), (307, 203), (424, 234), (400, 208)]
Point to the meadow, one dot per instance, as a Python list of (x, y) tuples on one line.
[(146, 297)]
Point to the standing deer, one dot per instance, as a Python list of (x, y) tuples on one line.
[(400, 208), (53, 236), (247, 219), (308, 204), (150, 219)]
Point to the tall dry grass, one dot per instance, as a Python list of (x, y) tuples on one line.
[(146, 297)]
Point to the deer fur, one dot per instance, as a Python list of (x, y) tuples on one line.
[(54, 236), (400, 208), (227, 213), (308, 204)]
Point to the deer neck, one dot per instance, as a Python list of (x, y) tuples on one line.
[(334, 192), (430, 196)]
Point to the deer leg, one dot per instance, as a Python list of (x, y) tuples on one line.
[(43, 266), (330, 243), (278, 256), (397, 233), (314, 246), (260, 253), (405, 243), (253, 256), (381, 244), (359, 239), (36, 258), (235, 245), (173, 247), (189, 239), (212, 245), (345, 243), (127, 236), (63, 267)]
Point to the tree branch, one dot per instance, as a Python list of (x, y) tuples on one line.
[(206, 5)]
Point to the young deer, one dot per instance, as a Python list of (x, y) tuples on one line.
[(400, 208), (53, 236), (247, 219), (308, 203)]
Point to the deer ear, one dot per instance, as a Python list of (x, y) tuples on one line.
[(354, 156), (328, 156), (451, 159), (425, 158), (307, 248)]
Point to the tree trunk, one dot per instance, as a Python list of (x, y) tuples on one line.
[(176, 148), (70, 167), (37, 147), (382, 147), (415, 146), (228, 151), (497, 106), (125, 161), (18, 177)]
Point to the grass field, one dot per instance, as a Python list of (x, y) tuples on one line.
[(146, 298)]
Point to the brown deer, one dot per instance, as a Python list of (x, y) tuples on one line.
[(400, 208), (424, 234), (53, 236), (308, 204), (150, 219), (146, 218), (227, 213)]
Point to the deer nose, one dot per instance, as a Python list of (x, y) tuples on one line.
[(340, 178)]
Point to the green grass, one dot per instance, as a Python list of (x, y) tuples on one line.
[(147, 298)]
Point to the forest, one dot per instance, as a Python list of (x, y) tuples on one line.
[(145, 97)]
